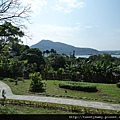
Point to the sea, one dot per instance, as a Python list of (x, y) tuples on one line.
[(87, 56)]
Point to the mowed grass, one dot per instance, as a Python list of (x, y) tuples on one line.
[(106, 92), (27, 107), (17, 109)]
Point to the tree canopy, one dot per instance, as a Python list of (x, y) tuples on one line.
[(9, 35)]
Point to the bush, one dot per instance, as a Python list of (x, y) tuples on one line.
[(74, 76), (9, 79), (20, 79), (36, 82), (79, 86), (118, 84)]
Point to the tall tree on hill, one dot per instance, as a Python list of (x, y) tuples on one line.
[(47, 52), (53, 51)]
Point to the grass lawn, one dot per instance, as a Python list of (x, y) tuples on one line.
[(28, 107), (17, 109), (107, 92)]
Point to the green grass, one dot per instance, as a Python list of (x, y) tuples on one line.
[(17, 109), (32, 107), (107, 92)]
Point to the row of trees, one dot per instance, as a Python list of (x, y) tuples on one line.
[(47, 52), (17, 59), (98, 68)]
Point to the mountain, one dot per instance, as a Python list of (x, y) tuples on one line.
[(63, 48)]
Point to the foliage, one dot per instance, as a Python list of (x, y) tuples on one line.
[(9, 35), (9, 79), (118, 84), (98, 68), (19, 48), (60, 71), (79, 86), (36, 84), (20, 79), (56, 61), (55, 106), (34, 56), (74, 76)]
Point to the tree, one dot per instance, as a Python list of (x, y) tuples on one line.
[(19, 48), (53, 51), (16, 67), (36, 84), (13, 11), (9, 35), (33, 55), (58, 61), (47, 52)]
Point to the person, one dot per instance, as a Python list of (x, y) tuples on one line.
[(3, 94)]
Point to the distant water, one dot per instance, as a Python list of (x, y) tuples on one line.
[(117, 56), (83, 56), (87, 56)]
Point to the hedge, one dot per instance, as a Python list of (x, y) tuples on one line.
[(118, 84), (79, 86), (9, 79)]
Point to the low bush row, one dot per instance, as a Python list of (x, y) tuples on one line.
[(79, 86), (13, 80), (118, 84), (9, 79), (71, 108)]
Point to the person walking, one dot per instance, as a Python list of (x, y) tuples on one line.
[(3, 94)]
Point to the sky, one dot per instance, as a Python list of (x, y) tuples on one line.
[(81, 23)]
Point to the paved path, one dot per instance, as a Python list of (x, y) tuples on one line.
[(101, 105)]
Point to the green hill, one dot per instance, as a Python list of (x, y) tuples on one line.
[(63, 48)]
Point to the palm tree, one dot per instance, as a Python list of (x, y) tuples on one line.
[(47, 52), (44, 53), (53, 51)]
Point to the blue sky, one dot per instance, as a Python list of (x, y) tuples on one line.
[(81, 23)]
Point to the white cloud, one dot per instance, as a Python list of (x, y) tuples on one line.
[(68, 6), (36, 5), (56, 33)]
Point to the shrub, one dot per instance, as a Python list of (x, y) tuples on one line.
[(118, 84), (74, 76), (9, 79), (79, 86), (20, 79), (36, 82)]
